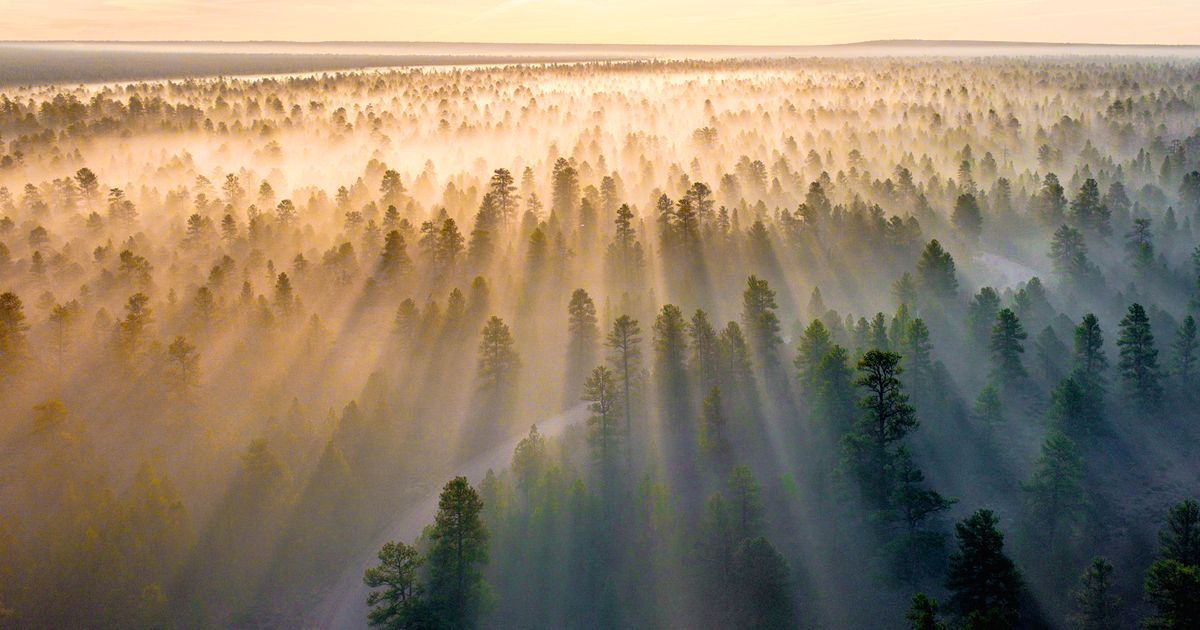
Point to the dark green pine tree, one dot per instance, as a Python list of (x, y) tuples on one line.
[(967, 217), (918, 550), (762, 586), (1069, 255), (936, 274), (583, 340), (624, 344), (918, 358), (704, 362), (394, 260), (761, 322), (1054, 495), (879, 334), (745, 503), (458, 548), (498, 359), (1088, 212), (400, 605), (815, 343), (887, 418), (984, 583), (1090, 363), (834, 386), (922, 614), (1184, 359), (1173, 581), (1140, 376), (1006, 349), (604, 425), (670, 356), (981, 315), (714, 434), (1094, 606)]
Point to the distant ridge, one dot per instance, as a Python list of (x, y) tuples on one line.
[(935, 43), (907, 43), (35, 63)]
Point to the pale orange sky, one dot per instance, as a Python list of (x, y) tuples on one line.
[(776, 22)]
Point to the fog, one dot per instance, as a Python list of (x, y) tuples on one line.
[(722, 338)]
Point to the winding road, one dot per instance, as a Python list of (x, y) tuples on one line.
[(344, 607)]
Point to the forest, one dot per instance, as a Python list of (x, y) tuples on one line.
[(834, 342)]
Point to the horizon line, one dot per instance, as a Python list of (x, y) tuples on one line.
[(862, 43)]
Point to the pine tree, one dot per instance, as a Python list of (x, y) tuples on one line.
[(1139, 359), (600, 392), (1069, 254), (1088, 210), (625, 356), (922, 614), (625, 257), (498, 360), (736, 373), (760, 321), (988, 409), (834, 390), (918, 357), (670, 356), (1054, 494), (130, 335), (12, 334), (745, 502), (394, 258), (762, 583), (815, 343), (981, 315), (984, 583), (459, 545), (704, 362), (967, 217), (504, 193), (584, 337), (1180, 541), (1049, 201), (183, 375), (1173, 581), (1095, 607), (918, 549), (564, 191), (1184, 360), (1006, 349), (448, 246), (714, 439), (1090, 364), (483, 234), (887, 419), (400, 605), (1139, 247), (936, 274)]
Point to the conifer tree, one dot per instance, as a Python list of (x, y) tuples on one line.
[(624, 344), (1006, 349), (1094, 605), (600, 392), (1139, 359), (760, 321), (984, 583), (886, 419), (498, 359), (459, 545), (670, 356), (400, 604)]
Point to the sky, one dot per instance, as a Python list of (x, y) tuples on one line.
[(739, 22)]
